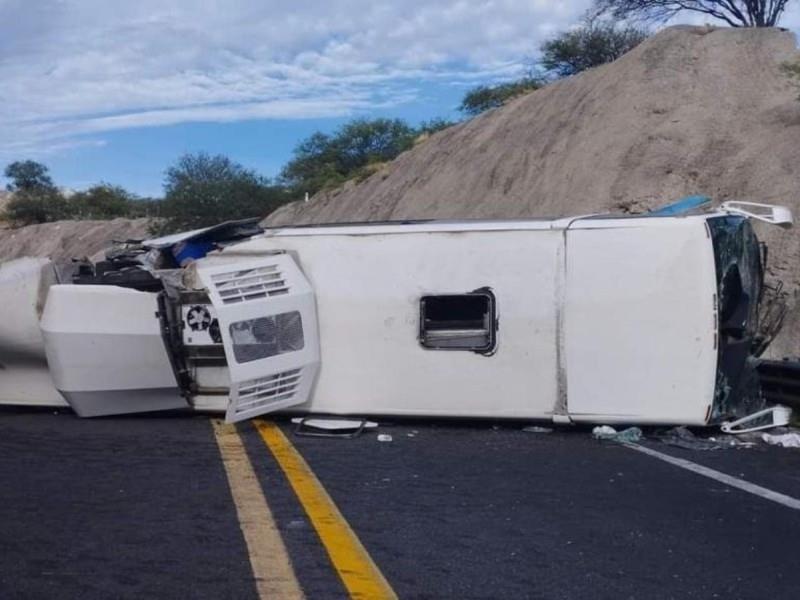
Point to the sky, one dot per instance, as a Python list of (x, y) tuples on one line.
[(116, 91)]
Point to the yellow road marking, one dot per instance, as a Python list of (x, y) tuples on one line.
[(358, 572), (269, 560)]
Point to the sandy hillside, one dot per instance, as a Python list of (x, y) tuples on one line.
[(692, 110), (64, 240)]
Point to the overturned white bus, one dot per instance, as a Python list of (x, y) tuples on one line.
[(605, 319)]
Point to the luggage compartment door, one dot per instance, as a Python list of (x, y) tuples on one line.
[(640, 322), (268, 321)]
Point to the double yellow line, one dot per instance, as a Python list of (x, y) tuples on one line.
[(271, 565), (269, 560)]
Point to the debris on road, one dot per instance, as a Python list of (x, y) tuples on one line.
[(630, 435), (774, 416), (334, 424), (330, 427), (537, 429), (682, 437), (785, 440), (384, 437)]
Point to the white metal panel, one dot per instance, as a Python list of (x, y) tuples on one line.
[(105, 350), (268, 322), (640, 323), (604, 221), (368, 289), (432, 226), (103, 337)]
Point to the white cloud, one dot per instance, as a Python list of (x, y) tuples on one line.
[(69, 68)]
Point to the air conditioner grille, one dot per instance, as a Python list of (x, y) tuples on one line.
[(266, 391), (250, 284)]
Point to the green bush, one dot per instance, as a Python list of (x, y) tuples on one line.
[(793, 71), (485, 97), (102, 201), (28, 207), (324, 161)]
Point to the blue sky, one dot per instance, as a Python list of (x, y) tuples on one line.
[(105, 90)]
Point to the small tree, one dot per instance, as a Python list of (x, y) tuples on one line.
[(736, 13), (590, 45), (202, 190), (484, 97), (27, 176), (36, 199)]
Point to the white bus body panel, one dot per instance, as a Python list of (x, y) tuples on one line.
[(368, 286), (640, 322), (268, 324), (105, 350)]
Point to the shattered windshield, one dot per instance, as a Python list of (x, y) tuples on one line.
[(739, 272)]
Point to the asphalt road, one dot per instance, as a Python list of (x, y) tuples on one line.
[(140, 507), (116, 508)]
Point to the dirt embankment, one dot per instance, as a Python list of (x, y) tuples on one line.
[(63, 240), (693, 110)]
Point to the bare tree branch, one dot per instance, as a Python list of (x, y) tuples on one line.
[(736, 13)]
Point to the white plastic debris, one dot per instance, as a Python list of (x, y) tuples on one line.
[(333, 424), (384, 437), (785, 440), (630, 435), (537, 429), (603, 431)]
